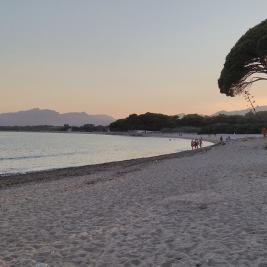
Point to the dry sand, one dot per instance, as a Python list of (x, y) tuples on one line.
[(207, 208)]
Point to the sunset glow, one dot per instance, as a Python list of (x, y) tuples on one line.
[(121, 57)]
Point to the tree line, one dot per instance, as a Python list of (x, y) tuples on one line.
[(240, 124), (190, 123), (51, 128)]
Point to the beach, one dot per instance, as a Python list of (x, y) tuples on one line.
[(195, 208)]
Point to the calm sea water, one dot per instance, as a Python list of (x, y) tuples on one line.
[(24, 152)]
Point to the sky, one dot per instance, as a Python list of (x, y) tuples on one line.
[(120, 57)]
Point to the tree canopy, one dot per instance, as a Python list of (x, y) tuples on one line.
[(192, 123), (246, 59), (148, 121)]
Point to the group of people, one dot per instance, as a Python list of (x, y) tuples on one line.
[(196, 143)]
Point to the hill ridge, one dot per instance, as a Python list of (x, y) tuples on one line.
[(37, 116)]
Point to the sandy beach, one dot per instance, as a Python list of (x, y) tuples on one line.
[(202, 208)]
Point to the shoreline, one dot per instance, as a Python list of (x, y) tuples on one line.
[(60, 173), (213, 138), (205, 207), (86, 165), (21, 178)]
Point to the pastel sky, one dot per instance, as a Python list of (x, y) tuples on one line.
[(121, 56)]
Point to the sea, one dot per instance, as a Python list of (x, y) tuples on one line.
[(22, 152)]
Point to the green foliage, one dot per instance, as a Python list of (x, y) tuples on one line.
[(49, 128), (246, 58), (147, 121), (90, 128), (192, 120), (193, 123)]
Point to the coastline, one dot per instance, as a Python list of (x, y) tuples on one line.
[(53, 174), (82, 164), (45, 175), (202, 208), (213, 138)]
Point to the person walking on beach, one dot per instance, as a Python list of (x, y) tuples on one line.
[(192, 144), (196, 143), (221, 140), (200, 142)]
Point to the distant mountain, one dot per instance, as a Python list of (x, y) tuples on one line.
[(38, 116), (240, 112)]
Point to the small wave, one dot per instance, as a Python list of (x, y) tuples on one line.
[(22, 157), (5, 174), (42, 156)]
